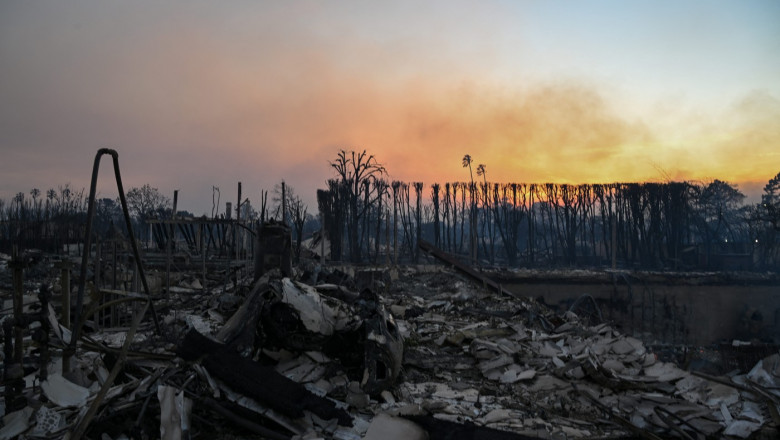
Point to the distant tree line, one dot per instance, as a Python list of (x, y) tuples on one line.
[(368, 218), (42, 220), (57, 218), (663, 226)]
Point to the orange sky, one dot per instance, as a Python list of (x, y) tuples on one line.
[(206, 95)]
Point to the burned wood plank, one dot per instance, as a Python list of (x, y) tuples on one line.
[(240, 328), (242, 422), (669, 418), (446, 430)]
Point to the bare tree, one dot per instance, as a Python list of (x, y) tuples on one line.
[(770, 202), (435, 200), (146, 202), (766, 220), (298, 210), (382, 193), (508, 216), (418, 186), (472, 212), (396, 186), (355, 169)]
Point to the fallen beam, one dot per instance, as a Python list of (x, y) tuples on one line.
[(260, 382), (464, 268), (439, 429), (242, 422)]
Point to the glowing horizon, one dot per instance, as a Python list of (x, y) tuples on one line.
[(200, 95)]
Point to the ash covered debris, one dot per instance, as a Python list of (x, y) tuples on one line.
[(418, 352)]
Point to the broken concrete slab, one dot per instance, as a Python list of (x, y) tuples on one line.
[(63, 392), (15, 423), (174, 413)]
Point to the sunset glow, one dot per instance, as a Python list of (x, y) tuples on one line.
[(200, 94)]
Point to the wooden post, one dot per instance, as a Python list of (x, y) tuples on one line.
[(169, 245), (236, 227)]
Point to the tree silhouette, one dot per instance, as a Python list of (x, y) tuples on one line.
[(145, 203), (472, 212), (355, 170), (770, 202)]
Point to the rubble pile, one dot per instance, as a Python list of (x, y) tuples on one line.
[(402, 353)]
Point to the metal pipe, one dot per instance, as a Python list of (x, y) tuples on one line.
[(136, 254), (88, 244), (97, 280)]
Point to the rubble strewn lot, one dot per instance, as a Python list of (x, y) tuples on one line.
[(411, 353)]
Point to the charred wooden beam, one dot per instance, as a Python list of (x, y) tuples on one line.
[(463, 268), (242, 422), (239, 331), (260, 382)]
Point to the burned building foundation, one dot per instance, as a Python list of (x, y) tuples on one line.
[(675, 308)]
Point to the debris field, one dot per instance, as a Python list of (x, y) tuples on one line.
[(387, 353)]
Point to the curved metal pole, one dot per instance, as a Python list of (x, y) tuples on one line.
[(136, 254), (88, 243)]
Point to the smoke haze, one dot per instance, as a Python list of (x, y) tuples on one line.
[(207, 96)]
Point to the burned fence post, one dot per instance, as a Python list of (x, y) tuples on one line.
[(169, 244), (203, 248)]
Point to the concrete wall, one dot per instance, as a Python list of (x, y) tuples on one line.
[(680, 314)]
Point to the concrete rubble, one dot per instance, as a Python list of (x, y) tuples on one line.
[(413, 352)]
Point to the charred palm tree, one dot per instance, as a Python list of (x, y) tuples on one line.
[(472, 217)]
